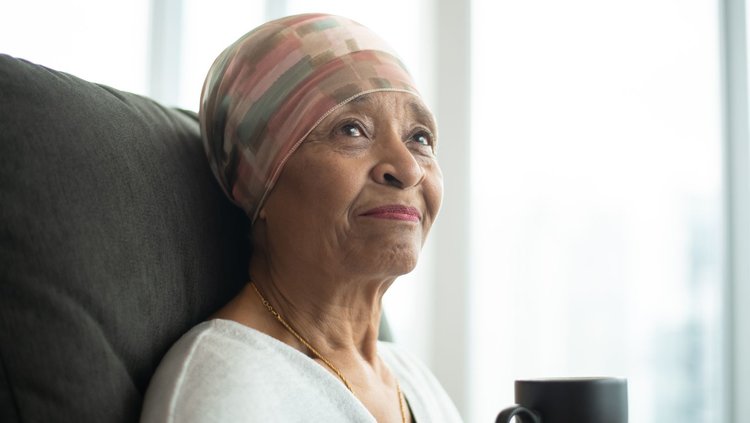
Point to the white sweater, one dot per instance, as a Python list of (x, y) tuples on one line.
[(222, 371)]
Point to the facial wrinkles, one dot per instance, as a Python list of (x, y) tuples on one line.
[(382, 134), (328, 152), (378, 117), (317, 158)]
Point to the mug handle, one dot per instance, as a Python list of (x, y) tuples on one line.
[(526, 415)]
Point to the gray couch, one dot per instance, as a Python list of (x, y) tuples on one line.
[(114, 240)]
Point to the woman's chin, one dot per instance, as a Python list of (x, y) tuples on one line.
[(395, 261)]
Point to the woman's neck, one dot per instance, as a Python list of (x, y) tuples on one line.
[(338, 314)]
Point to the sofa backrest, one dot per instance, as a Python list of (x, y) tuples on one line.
[(114, 240)]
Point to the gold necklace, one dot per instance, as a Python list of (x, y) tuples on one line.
[(315, 352)]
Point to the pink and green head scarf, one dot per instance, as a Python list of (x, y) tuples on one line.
[(266, 92)]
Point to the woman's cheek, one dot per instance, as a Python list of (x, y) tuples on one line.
[(435, 188)]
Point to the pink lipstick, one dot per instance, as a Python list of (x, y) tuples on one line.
[(395, 212)]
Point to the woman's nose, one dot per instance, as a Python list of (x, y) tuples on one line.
[(397, 165)]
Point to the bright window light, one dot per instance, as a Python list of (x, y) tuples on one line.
[(597, 202), (207, 29), (104, 42)]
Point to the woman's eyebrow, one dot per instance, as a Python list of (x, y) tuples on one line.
[(357, 103), (362, 99), (422, 114), (418, 110)]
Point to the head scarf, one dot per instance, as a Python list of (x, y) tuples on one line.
[(266, 92)]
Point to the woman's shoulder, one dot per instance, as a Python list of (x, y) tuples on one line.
[(235, 345), (223, 371), (198, 372)]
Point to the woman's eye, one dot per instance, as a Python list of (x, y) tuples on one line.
[(422, 138), (352, 130)]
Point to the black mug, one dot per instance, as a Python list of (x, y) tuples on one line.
[(569, 400)]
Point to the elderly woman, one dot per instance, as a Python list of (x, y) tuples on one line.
[(314, 128)]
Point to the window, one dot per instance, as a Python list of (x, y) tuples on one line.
[(597, 201), (105, 42)]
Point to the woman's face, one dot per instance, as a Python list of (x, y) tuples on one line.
[(362, 190)]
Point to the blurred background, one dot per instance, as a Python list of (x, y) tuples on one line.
[(597, 206)]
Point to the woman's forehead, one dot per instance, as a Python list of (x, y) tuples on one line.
[(385, 101)]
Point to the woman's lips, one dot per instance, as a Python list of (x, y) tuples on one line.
[(395, 212)]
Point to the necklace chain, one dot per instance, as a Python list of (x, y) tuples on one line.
[(315, 352)]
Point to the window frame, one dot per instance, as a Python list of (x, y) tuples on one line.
[(737, 209)]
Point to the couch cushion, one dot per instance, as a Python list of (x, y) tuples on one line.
[(114, 240)]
